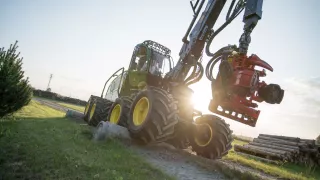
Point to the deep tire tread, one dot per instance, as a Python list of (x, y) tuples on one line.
[(160, 123), (222, 138), (91, 100), (101, 112), (125, 103)]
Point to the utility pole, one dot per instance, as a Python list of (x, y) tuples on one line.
[(48, 87)]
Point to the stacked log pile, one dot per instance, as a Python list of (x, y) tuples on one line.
[(283, 148)]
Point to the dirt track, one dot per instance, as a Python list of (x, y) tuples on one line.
[(183, 166), (52, 104)]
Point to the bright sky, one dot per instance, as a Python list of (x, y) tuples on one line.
[(83, 42)]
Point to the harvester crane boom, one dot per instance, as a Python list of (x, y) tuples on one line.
[(202, 32), (237, 83)]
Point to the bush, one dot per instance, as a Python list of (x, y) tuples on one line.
[(15, 92)]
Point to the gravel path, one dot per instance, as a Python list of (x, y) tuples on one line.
[(183, 166), (176, 164)]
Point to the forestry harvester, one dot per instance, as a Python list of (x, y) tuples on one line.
[(152, 98)]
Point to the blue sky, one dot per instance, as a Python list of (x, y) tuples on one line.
[(83, 42)]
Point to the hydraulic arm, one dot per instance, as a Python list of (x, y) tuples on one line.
[(237, 83), (191, 50)]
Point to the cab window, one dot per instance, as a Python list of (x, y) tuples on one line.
[(160, 65), (140, 61)]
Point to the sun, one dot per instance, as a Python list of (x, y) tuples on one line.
[(201, 96)]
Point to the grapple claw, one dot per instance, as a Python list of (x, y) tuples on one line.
[(238, 84)]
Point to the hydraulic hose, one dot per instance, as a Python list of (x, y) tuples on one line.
[(196, 74), (210, 66), (192, 75), (230, 8), (237, 10), (217, 56)]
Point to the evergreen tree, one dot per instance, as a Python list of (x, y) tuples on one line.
[(318, 140), (15, 91)]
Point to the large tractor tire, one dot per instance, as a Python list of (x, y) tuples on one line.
[(153, 116), (180, 140), (213, 138), (99, 111), (89, 106), (119, 111)]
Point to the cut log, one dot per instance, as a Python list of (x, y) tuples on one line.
[(308, 150), (280, 141), (275, 143), (254, 151), (292, 150), (258, 158), (267, 149), (311, 142), (307, 140), (295, 139), (277, 140)]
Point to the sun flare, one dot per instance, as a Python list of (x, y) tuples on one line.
[(201, 97)]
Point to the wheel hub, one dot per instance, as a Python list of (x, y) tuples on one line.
[(115, 114), (92, 111), (140, 111), (87, 108), (203, 134)]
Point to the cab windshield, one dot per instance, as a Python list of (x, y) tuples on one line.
[(160, 64)]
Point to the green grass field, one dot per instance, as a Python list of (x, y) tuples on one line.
[(42, 144), (288, 171)]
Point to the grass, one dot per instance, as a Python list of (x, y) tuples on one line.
[(72, 106), (287, 170), (36, 110), (42, 144)]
